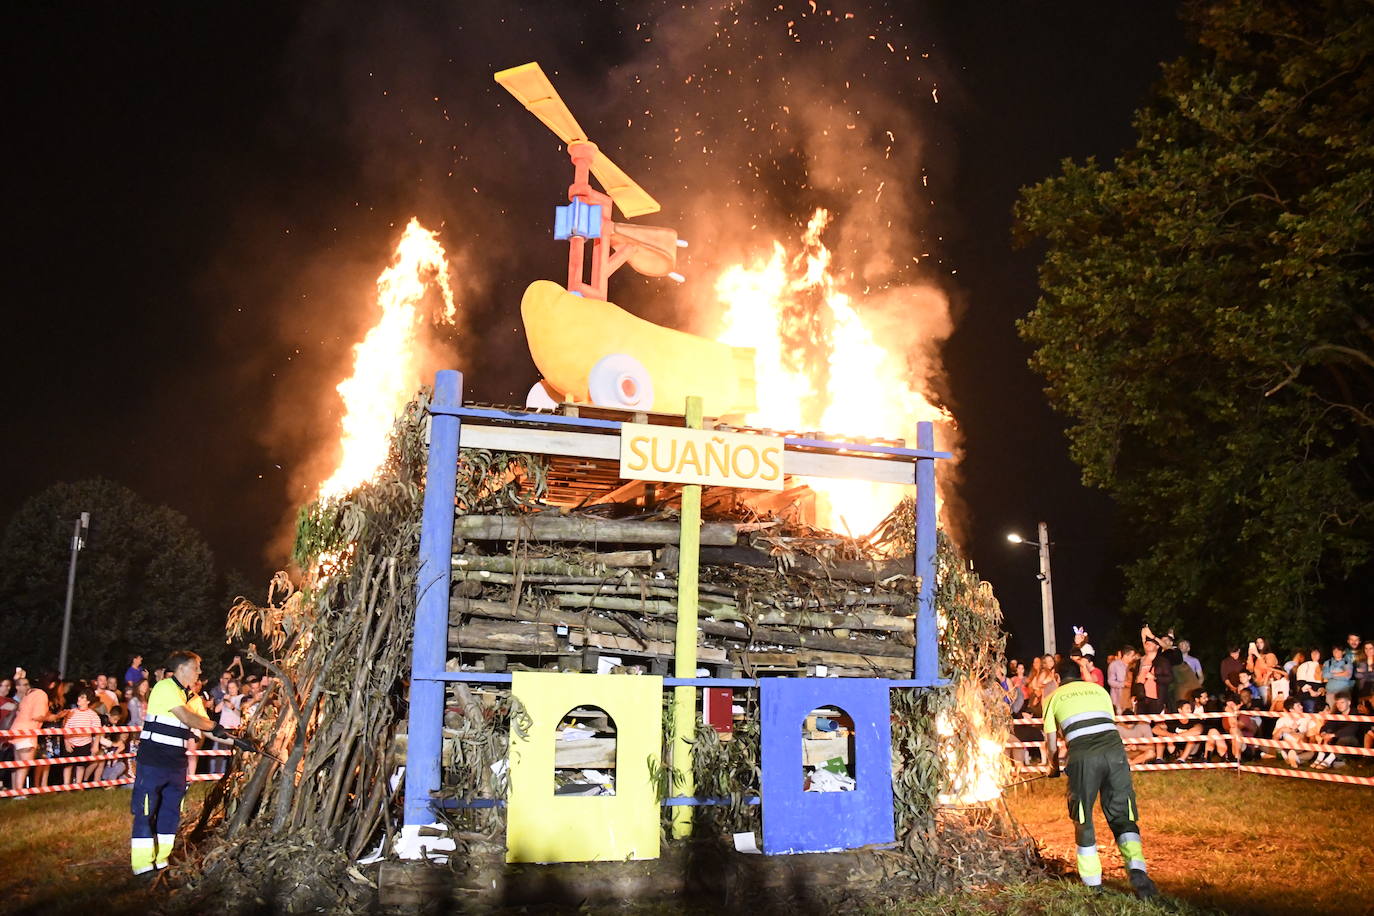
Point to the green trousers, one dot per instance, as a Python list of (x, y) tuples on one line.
[(1105, 773)]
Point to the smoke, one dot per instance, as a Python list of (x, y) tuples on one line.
[(741, 118), (746, 117)]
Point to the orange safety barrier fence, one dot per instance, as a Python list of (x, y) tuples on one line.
[(95, 758), (1278, 745)]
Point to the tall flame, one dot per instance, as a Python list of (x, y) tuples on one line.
[(385, 362), (819, 366)]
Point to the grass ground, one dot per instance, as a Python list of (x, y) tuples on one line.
[(69, 853), (1238, 843), (1216, 841)]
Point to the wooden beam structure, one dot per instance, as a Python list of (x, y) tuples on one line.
[(583, 445)]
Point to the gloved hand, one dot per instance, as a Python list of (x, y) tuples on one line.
[(1054, 769), (219, 731)]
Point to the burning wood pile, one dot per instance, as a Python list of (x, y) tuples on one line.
[(585, 592), (581, 587)]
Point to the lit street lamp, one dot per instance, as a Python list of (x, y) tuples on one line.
[(1046, 585)]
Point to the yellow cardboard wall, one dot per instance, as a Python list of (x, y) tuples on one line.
[(542, 827)]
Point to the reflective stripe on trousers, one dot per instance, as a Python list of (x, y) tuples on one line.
[(1089, 865), (141, 852), (1132, 853)]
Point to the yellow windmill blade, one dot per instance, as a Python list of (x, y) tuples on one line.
[(532, 89), (629, 197)]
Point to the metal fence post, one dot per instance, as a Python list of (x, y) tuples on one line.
[(431, 604)]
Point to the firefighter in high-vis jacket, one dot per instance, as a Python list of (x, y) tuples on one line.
[(160, 782), (1097, 764)]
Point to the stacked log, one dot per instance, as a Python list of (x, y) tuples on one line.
[(561, 592)]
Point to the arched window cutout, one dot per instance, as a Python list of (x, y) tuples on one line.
[(584, 753), (828, 750)]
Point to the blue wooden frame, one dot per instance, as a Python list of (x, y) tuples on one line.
[(795, 820), (429, 651)]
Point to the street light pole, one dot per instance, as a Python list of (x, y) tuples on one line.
[(83, 524), (1046, 583), (1046, 589)]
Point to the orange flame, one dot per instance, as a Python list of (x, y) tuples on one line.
[(819, 366), (985, 763), (385, 362)]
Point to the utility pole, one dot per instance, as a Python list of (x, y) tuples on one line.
[(1046, 589), (83, 525), (1046, 583)]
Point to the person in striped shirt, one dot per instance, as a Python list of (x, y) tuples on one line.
[(1097, 764), (160, 782), (83, 716)]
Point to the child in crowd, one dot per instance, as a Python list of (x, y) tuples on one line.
[(82, 715)]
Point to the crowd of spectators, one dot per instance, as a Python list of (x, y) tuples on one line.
[(49, 703), (1299, 702)]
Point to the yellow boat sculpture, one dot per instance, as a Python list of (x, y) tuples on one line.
[(593, 351)]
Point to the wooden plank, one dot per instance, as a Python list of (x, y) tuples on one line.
[(631, 646), (662, 607), (555, 527), (588, 753), (595, 563), (816, 751), (496, 636), (845, 467), (541, 441), (631, 490), (846, 570), (868, 666)]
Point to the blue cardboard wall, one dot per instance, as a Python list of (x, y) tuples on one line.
[(797, 821)]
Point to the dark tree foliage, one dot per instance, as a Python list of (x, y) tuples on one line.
[(1205, 323), (145, 581)]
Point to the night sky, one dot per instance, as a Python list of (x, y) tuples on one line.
[(200, 198)]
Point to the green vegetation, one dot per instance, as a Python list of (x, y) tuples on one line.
[(145, 583), (1205, 323)]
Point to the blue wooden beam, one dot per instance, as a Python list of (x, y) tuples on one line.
[(431, 605), (467, 677), (927, 660)]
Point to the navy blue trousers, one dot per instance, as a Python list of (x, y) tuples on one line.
[(156, 803)]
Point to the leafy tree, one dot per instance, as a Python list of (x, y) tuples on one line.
[(1205, 322), (145, 581)]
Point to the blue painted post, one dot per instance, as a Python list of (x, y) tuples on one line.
[(927, 634), (431, 603)]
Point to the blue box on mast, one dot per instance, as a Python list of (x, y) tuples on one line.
[(578, 218)]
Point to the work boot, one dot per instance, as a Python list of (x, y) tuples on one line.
[(1141, 883)]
